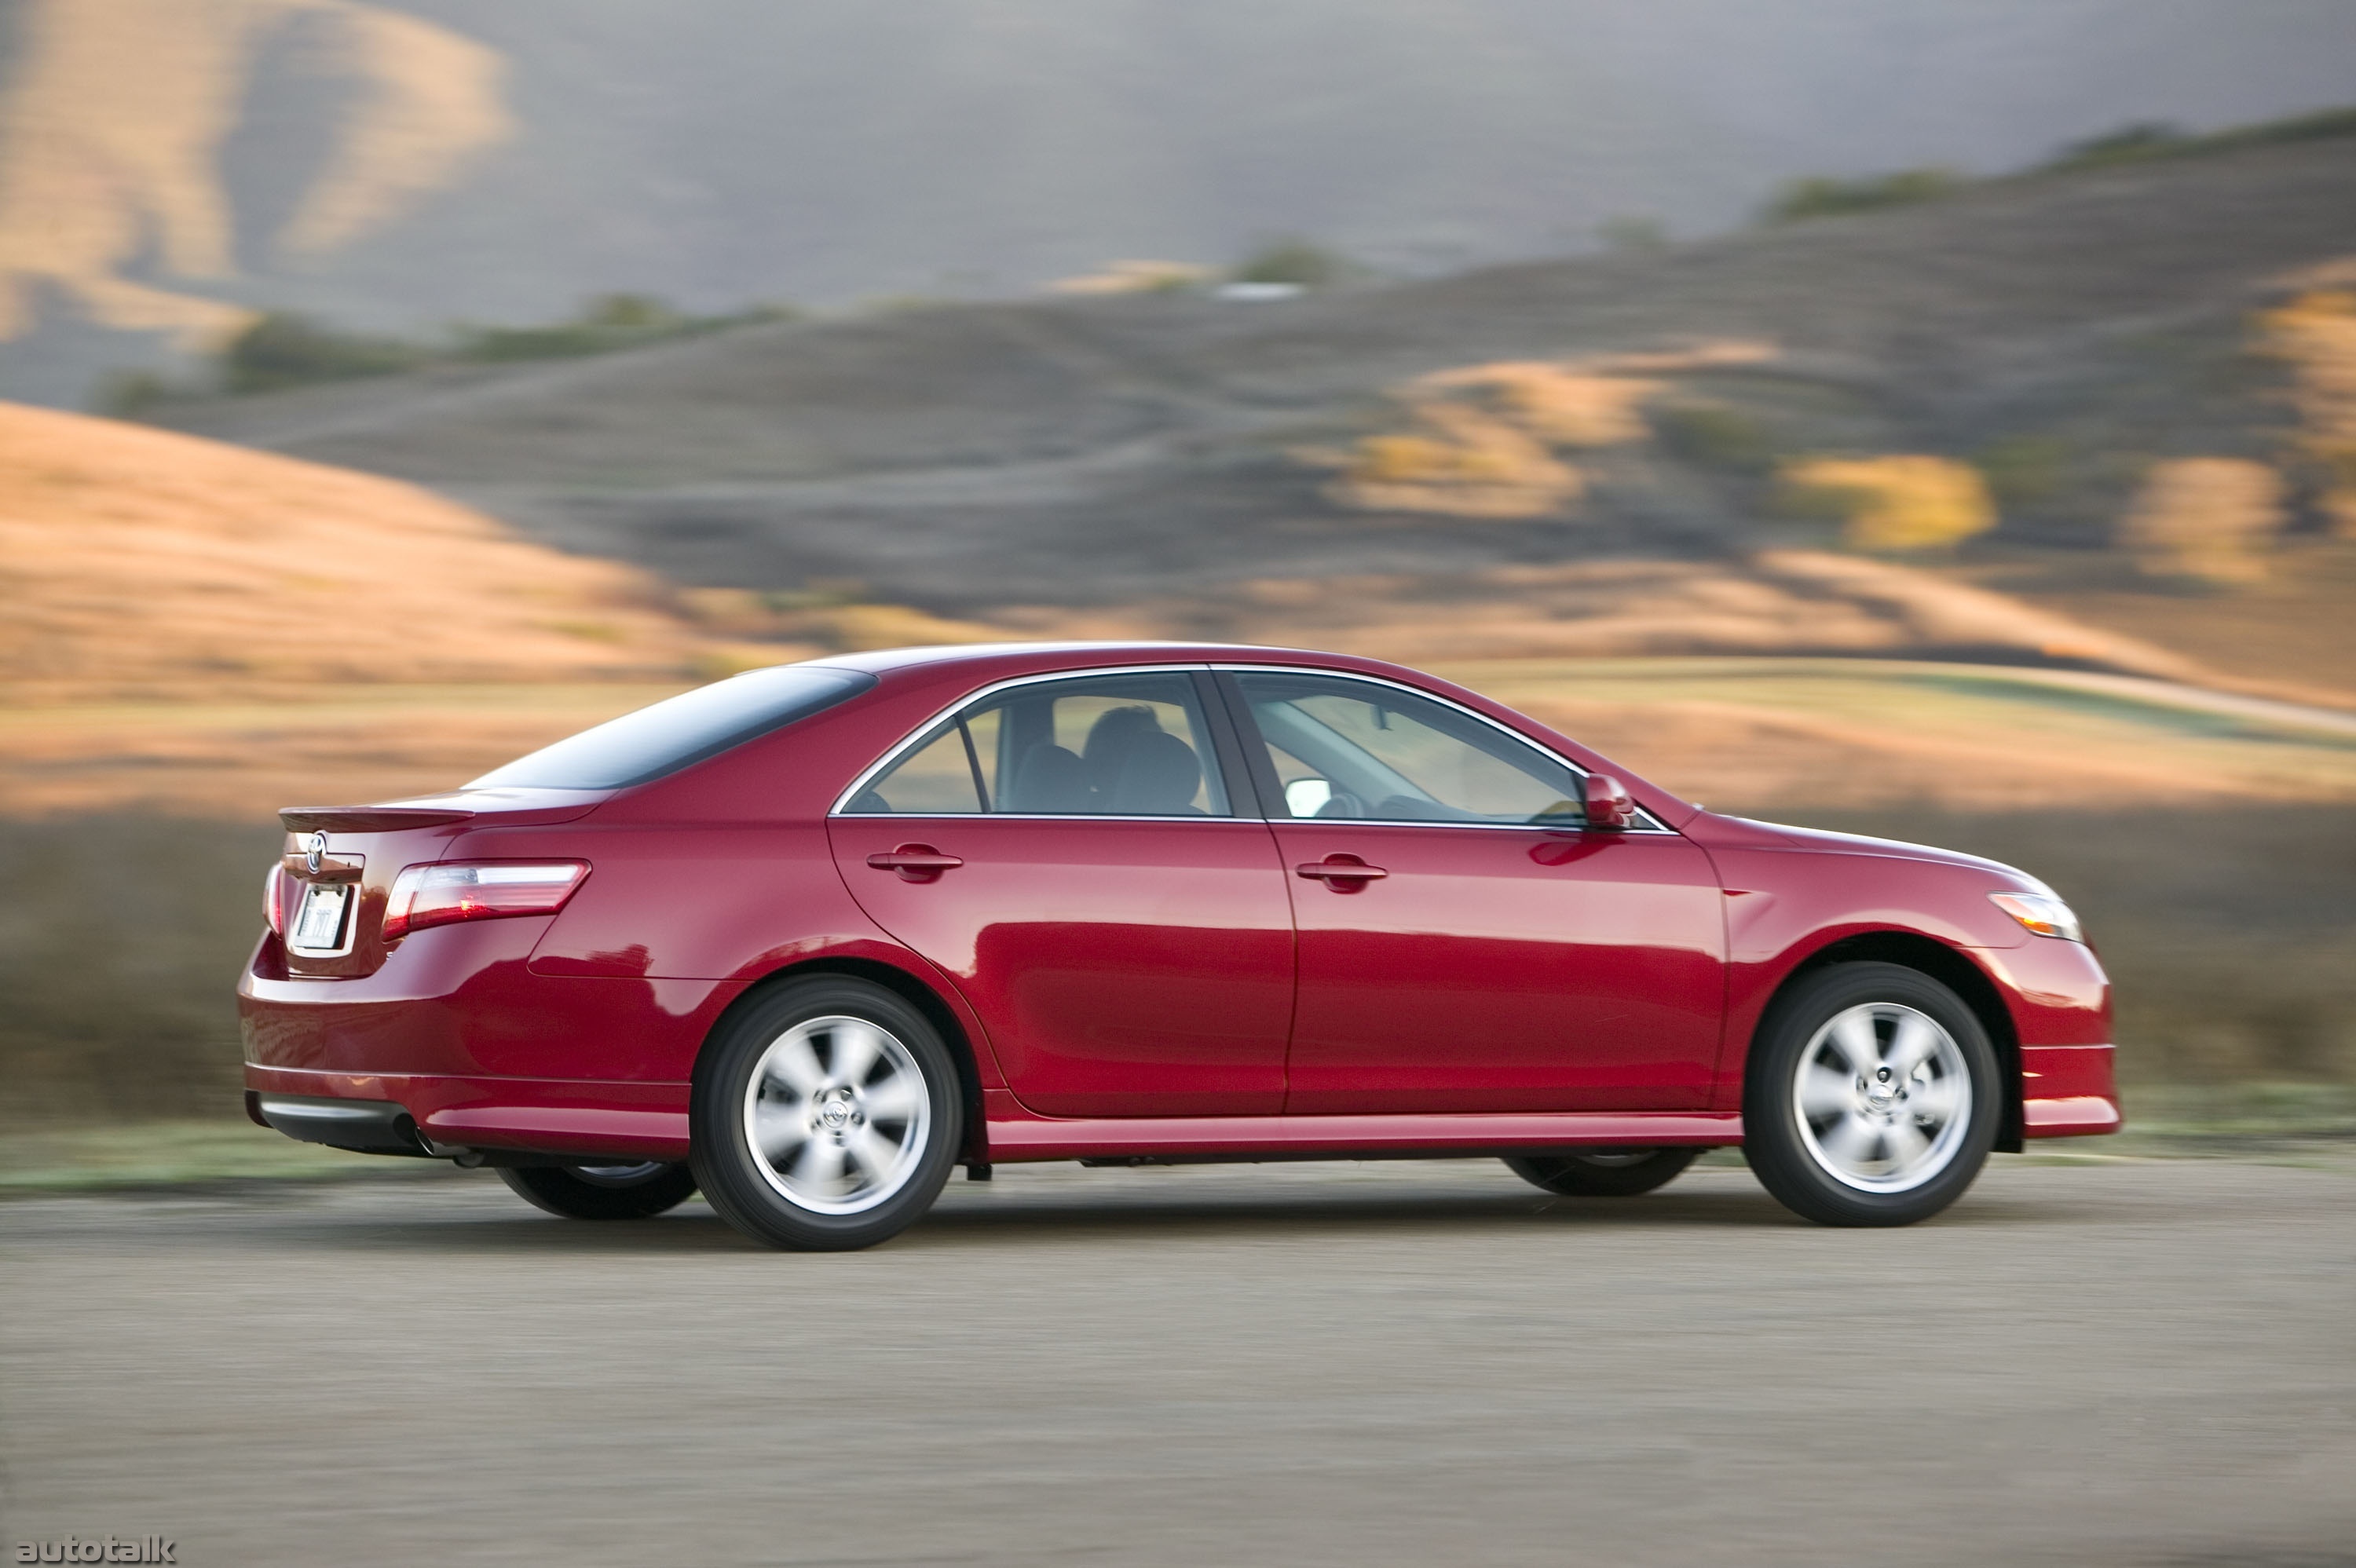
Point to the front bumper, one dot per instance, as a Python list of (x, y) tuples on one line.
[(2068, 1090)]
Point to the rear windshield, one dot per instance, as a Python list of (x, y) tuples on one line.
[(680, 729)]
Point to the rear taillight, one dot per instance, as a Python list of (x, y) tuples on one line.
[(480, 890), (273, 899)]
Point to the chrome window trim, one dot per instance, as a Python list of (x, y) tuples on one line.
[(1053, 816), (1652, 831), (883, 764), (1652, 825)]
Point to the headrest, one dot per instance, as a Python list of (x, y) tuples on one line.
[(1159, 776)]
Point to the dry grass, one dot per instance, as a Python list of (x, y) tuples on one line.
[(240, 761), (2316, 334), (2208, 519), (2209, 851), (2290, 634), (1778, 601), (121, 939), (136, 561), (1778, 735), (112, 128), (1485, 440), (1903, 501)]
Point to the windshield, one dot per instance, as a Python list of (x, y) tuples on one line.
[(680, 729)]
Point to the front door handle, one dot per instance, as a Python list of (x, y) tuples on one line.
[(1342, 873), (916, 863)]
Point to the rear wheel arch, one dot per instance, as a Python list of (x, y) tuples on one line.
[(1912, 950), (910, 989)]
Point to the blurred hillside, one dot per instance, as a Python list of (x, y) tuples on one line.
[(166, 165), (2120, 393), (2017, 513), (141, 565)]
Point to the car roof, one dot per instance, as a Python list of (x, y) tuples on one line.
[(1023, 658)]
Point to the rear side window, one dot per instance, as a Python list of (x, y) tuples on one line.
[(680, 729), (1107, 745)]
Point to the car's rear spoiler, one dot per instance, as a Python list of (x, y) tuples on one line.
[(367, 818)]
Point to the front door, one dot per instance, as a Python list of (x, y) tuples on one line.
[(1065, 851), (1505, 958)]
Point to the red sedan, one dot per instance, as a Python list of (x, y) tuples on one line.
[(810, 937)]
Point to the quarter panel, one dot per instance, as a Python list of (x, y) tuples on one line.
[(699, 901), (460, 1000)]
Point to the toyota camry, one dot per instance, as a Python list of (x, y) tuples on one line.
[(810, 938)]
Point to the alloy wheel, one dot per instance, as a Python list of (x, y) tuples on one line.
[(836, 1114), (1882, 1097)]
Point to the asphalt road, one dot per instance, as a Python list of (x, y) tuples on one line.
[(2121, 1363)]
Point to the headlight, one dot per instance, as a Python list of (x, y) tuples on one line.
[(2042, 913)]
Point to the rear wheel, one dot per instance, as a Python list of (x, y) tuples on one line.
[(1603, 1173), (634, 1191), (1872, 1097), (827, 1115)]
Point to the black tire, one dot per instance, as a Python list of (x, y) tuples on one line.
[(1798, 1152), (778, 1200), (1602, 1173), (631, 1190)]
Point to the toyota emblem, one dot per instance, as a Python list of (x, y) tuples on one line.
[(315, 851)]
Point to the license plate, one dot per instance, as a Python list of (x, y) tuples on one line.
[(319, 923)]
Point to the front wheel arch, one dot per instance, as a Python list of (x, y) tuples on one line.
[(1912, 950)]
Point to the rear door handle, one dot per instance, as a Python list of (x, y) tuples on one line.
[(916, 863), (1337, 872)]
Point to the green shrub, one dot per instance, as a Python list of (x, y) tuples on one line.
[(2144, 139), (1822, 197), (287, 349), (2024, 470), (605, 324), (1293, 262), (1632, 235), (128, 394), (2158, 139), (1715, 436)]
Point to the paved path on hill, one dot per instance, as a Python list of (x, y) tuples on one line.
[(2140, 1364)]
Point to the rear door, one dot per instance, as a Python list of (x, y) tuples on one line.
[(1465, 943), (1068, 851)]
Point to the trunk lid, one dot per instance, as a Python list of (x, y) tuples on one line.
[(338, 862)]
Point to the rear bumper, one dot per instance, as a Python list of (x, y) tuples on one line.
[(539, 1116), (2068, 1090), (459, 1001), (364, 1126), (453, 1045)]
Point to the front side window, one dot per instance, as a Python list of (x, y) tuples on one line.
[(1345, 748), (1114, 745)]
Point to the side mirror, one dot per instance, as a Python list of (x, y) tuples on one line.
[(1307, 797), (1608, 806)]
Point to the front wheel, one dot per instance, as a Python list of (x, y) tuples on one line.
[(1871, 1097), (636, 1190), (826, 1116), (1603, 1173)]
